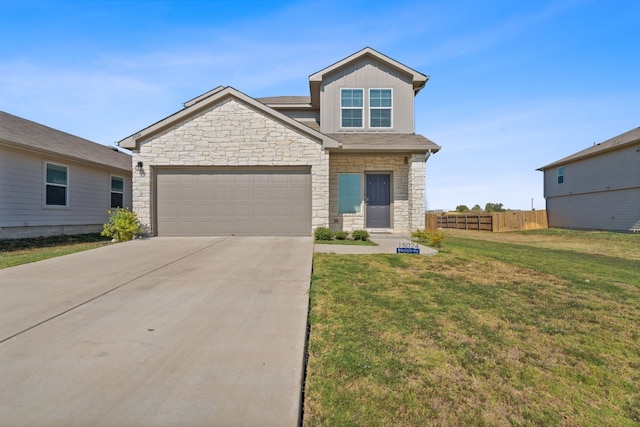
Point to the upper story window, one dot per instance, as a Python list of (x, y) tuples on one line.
[(56, 185), (380, 108), (351, 108), (117, 192), (561, 175)]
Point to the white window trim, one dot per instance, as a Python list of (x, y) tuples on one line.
[(363, 109), (380, 108), (44, 193), (558, 175), (111, 190)]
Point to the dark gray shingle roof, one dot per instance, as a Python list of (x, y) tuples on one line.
[(627, 138), (31, 135)]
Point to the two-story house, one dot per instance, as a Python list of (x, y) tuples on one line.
[(345, 157), (597, 188)]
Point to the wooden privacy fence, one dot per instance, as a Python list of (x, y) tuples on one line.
[(496, 222)]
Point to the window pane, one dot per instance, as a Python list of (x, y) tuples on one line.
[(380, 118), (380, 98), (56, 196), (351, 98), (351, 118), (374, 98), (345, 99), (385, 98), (349, 193), (358, 98), (117, 200), (56, 174), (117, 184)]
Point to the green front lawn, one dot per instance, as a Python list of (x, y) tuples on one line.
[(533, 328), (22, 251)]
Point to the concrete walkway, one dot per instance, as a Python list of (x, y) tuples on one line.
[(387, 244), (158, 332)]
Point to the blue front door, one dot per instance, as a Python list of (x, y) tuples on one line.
[(378, 200)]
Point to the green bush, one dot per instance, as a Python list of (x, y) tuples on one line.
[(435, 239), (420, 235), (323, 233), (123, 225), (341, 235), (360, 235), (429, 238)]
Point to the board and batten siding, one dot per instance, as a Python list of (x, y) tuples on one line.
[(600, 192), (22, 187), (367, 74)]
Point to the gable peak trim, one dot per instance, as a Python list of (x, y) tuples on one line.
[(370, 52)]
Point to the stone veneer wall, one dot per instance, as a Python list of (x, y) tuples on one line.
[(231, 133), (407, 196), (417, 205)]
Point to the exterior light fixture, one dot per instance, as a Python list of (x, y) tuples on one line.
[(139, 166)]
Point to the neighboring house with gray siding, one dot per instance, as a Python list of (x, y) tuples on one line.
[(344, 157), (54, 183), (597, 188)]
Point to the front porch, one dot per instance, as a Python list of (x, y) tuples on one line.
[(378, 193)]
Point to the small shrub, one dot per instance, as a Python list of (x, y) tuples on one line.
[(323, 233), (342, 235), (420, 235), (123, 225), (360, 235), (429, 238), (435, 239)]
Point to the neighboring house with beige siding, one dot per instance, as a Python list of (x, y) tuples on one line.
[(55, 183), (345, 157), (597, 188)]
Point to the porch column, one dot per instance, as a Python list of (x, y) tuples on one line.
[(416, 192)]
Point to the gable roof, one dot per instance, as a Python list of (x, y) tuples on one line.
[(622, 140), (209, 99), (418, 79), (23, 133)]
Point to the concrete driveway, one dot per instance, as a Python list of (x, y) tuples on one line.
[(158, 332)]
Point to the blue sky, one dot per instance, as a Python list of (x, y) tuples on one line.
[(514, 85)]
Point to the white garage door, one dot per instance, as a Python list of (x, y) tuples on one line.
[(241, 202)]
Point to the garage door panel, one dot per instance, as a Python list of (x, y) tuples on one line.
[(261, 210), (280, 193), (224, 228), (224, 192), (261, 192), (224, 210), (233, 202)]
